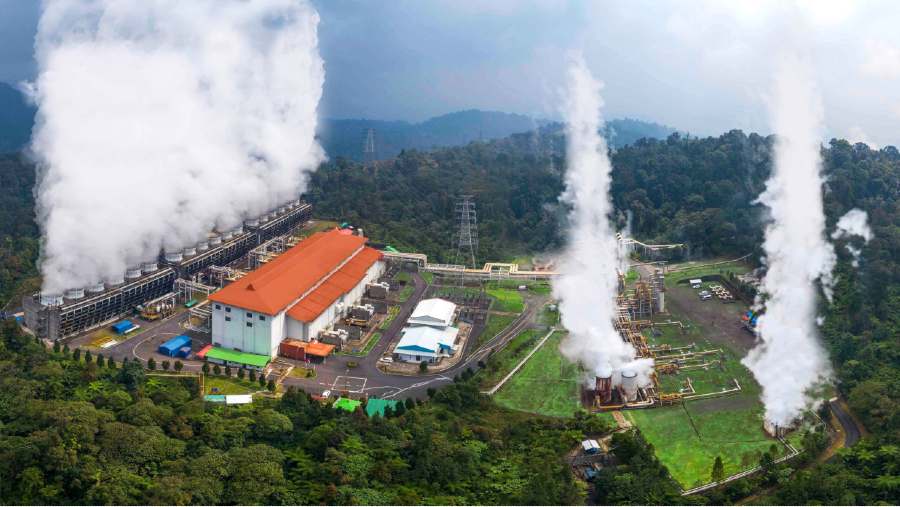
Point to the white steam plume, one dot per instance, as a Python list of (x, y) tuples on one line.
[(162, 119), (790, 361), (854, 223), (588, 283)]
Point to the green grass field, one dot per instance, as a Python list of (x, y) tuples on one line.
[(495, 324), (406, 292), (500, 364), (535, 286), (673, 277), (507, 300), (688, 439), (427, 276), (373, 340), (391, 315), (228, 385), (547, 384)]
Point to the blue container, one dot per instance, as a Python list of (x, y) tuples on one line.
[(122, 327), (172, 347), (184, 352)]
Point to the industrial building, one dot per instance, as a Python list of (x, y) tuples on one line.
[(55, 316), (299, 294), (429, 335)]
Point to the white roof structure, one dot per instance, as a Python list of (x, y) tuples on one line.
[(238, 399), (426, 340), (695, 281), (432, 312)]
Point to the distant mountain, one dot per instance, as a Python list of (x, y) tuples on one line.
[(626, 131), (345, 138), (16, 119)]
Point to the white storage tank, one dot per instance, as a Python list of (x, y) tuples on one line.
[(50, 299), (133, 272), (227, 235), (76, 293), (630, 384), (149, 266), (202, 246), (252, 222), (214, 239), (189, 251), (174, 256), (96, 288), (117, 280)]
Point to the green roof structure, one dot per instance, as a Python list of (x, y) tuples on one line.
[(346, 404), (377, 406), (237, 357)]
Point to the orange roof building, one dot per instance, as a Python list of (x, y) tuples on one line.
[(297, 295)]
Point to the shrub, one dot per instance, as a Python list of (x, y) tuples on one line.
[(166, 365), (241, 373), (151, 364), (423, 367), (77, 355), (252, 375), (205, 368), (178, 365), (271, 386), (217, 370)]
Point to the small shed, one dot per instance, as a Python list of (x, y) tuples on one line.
[(172, 347), (123, 326), (695, 282), (346, 404), (590, 446), (202, 352), (238, 399), (378, 406), (214, 398)]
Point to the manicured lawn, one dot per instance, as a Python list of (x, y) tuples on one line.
[(631, 276), (507, 300), (427, 276), (405, 292), (501, 363), (735, 434), (373, 340), (547, 384), (229, 385), (738, 268), (298, 372), (391, 315), (403, 276), (535, 286), (495, 324)]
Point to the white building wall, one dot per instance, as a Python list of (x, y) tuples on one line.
[(230, 329)]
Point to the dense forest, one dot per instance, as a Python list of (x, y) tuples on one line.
[(75, 429), (19, 242), (698, 191)]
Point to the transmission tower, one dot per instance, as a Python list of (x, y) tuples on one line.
[(368, 147), (467, 231)]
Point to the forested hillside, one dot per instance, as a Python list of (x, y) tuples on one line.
[(698, 191), (18, 230), (74, 430)]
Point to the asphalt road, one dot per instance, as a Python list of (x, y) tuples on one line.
[(851, 430), (334, 373)]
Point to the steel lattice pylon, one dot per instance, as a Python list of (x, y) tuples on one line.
[(368, 148), (467, 231)]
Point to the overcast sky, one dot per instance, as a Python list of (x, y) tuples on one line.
[(702, 66)]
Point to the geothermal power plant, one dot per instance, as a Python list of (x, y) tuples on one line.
[(78, 309)]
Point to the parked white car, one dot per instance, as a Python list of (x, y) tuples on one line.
[(386, 360)]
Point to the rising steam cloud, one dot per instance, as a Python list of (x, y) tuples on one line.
[(854, 223), (588, 283), (790, 361), (160, 120)]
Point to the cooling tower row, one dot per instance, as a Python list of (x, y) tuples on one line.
[(212, 240)]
